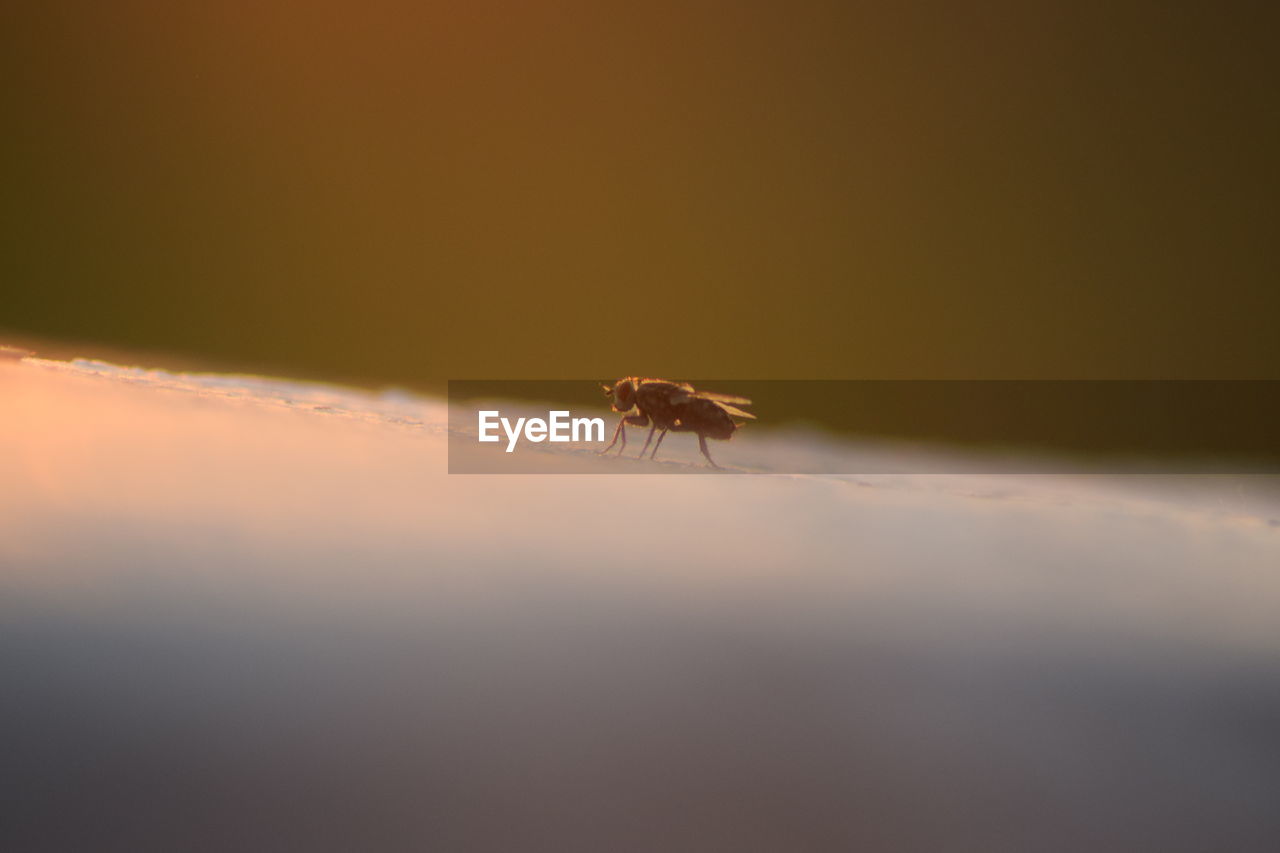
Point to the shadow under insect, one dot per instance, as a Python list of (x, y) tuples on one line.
[(665, 406)]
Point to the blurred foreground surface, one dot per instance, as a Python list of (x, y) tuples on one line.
[(257, 615)]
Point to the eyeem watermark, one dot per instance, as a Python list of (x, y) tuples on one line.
[(559, 426), (868, 426)]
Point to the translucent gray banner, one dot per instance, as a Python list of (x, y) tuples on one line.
[(863, 426)]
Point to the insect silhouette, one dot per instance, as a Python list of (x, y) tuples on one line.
[(673, 407)]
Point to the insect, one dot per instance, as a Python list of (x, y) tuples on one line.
[(673, 407)]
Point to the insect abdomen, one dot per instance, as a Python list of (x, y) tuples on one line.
[(706, 418)]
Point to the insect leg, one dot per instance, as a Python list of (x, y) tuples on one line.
[(638, 419), (617, 431), (661, 435), (652, 428), (702, 443)]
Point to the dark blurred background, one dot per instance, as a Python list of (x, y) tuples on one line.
[(394, 192)]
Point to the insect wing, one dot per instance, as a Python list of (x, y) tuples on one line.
[(734, 411), (724, 398)]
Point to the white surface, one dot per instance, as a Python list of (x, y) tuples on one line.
[(279, 585)]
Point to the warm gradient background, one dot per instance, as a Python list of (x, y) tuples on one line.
[(403, 192)]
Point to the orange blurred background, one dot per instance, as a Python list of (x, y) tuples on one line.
[(405, 192)]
